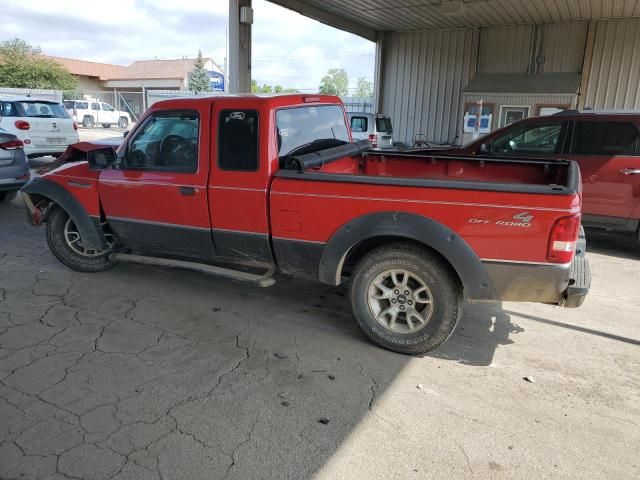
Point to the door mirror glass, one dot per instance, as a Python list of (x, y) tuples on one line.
[(102, 158)]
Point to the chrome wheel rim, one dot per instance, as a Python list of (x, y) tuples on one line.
[(74, 241), (400, 301)]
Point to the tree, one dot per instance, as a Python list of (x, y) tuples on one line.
[(364, 88), (24, 66), (255, 88), (199, 79), (335, 82)]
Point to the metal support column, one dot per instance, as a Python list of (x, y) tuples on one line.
[(240, 20), (378, 81)]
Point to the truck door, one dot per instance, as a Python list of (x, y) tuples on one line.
[(607, 152), (95, 112), (238, 182), (108, 114), (158, 196)]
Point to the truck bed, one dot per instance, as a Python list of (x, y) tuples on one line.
[(461, 172)]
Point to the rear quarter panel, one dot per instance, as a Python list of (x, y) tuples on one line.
[(484, 219)]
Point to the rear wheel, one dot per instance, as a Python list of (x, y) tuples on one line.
[(405, 298), (123, 122), (66, 245), (88, 122)]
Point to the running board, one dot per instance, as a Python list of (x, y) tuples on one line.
[(265, 280)]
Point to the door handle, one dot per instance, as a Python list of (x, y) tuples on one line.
[(187, 191), (630, 171)]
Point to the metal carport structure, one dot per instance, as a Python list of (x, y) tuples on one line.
[(436, 58)]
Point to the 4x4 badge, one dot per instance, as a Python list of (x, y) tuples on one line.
[(524, 217)]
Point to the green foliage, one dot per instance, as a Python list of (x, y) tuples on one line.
[(199, 80), (255, 88), (364, 88), (24, 66), (335, 82)]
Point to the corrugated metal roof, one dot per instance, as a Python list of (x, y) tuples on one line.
[(411, 15)]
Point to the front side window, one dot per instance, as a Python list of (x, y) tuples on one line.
[(359, 124), (300, 128), (604, 138), (107, 108), (238, 140), (530, 139), (167, 141)]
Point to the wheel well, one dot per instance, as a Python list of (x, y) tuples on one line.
[(357, 253)]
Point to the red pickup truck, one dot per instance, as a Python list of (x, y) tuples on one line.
[(275, 182)]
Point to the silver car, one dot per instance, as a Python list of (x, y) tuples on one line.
[(14, 166)]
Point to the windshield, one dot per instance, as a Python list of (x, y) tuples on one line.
[(383, 124), (35, 108), (303, 125)]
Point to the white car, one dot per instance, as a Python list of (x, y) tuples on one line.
[(44, 126), (373, 127), (90, 113)]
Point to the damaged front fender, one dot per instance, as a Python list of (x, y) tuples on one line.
[(40, 188)]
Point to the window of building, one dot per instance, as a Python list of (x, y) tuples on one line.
[(238, 140)]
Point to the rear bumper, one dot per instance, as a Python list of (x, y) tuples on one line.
[(564, 285)]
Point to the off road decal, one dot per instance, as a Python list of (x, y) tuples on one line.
[(519, 220)]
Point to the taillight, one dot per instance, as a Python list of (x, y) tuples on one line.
[(373, 138), (22, 125), (12, 145), (563, 239), (75, 126)]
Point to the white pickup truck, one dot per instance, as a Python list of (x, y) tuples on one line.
[(90, 113)]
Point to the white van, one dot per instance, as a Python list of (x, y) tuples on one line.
[(44, 126), (373, 127), (90, 113)]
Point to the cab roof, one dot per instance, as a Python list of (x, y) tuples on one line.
[(270, 100)]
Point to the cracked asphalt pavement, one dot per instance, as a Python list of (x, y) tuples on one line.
[(148, 373)]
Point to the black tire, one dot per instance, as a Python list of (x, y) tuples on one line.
[(123, 122), (88, 122), (63, 252), (106, 125), (444, 288), (7, 196)]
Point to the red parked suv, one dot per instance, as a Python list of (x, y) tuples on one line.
[(605, 145)]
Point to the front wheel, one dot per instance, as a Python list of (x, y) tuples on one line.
[(405, 298), (66, 245)]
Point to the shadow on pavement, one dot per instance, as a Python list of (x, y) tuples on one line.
[(613, 244)]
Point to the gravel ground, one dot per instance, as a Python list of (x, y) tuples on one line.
[(147, 373)]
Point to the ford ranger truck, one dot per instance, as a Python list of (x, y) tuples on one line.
[(231, 184)]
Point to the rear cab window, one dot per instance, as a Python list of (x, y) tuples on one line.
[(238, 140), (607, 138), (310, 128)]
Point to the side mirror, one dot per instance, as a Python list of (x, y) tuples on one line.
[(101, 158), (485, 148)]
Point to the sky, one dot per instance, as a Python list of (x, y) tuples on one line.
[(288, 49)]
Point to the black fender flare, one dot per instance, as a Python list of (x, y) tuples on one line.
[(91, 235), (439, 237)]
